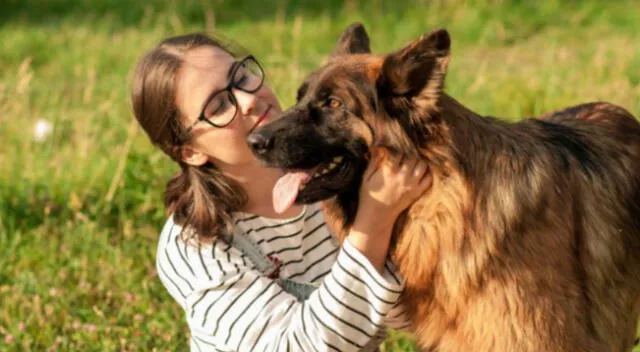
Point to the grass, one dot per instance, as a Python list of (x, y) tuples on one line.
[(81, 210)]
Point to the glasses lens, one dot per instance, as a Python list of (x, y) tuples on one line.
[(249, 75), (221, 109)]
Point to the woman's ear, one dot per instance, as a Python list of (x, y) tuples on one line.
[(192, 156)]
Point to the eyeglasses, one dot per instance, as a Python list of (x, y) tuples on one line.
[(221, 107)]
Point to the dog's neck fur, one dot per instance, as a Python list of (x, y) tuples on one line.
[(464, 125)]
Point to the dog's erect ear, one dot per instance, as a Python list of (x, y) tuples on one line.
[(354, 40), (417, 71)]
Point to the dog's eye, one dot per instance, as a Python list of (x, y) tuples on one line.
[(333, 103)]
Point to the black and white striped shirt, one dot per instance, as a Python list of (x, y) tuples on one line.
[(230, 306)]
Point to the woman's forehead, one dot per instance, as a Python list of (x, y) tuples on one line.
[(208, 58), (204, 70)]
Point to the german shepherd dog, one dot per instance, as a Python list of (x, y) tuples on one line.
[(529, 238)]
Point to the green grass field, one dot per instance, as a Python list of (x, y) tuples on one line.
[(80, 210)]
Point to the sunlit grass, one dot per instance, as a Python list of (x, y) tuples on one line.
[(81, 210)]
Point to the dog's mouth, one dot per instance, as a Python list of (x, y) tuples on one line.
[(314, 184)]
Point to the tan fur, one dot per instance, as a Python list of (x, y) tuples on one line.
[(461, 285), (449, 269), (542, 254)]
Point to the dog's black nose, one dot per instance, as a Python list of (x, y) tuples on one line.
[(260, 143)]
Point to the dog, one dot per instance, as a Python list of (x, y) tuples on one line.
[(528, 239)]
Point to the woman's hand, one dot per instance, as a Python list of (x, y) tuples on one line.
[(389, 186)]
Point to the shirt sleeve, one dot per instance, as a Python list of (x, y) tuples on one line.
[(397, 317), (231, 307)]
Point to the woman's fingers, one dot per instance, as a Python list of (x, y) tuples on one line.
[(419, 169), (377, 156), (413, 174), (427, 180)]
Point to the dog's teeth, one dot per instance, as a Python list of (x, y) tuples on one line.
[(317, 174), (302, 186), (332, 166), (325, 171), (337, 159)]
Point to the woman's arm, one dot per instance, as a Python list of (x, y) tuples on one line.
[(389, 186)]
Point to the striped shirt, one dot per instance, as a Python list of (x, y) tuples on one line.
[(230, 306)]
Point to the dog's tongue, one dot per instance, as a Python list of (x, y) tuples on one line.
[(286, 190)]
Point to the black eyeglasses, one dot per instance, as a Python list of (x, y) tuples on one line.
[(221, 107)]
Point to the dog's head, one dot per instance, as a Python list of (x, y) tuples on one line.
[(356, 102)]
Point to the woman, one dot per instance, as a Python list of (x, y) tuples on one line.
[(250, 277)]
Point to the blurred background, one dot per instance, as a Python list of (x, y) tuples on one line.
[(81, 188)]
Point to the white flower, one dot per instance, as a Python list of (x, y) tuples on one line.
[(41, 130)]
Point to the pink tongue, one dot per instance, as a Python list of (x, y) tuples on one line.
[(286, 190)]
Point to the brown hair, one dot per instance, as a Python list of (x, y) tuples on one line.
[(201, 198)]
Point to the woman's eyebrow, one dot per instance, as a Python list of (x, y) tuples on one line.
[(231, 69), (216, 91)]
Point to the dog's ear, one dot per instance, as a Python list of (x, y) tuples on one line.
[(417, 71), (354, 40)]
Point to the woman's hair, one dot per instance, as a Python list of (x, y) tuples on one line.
[(201, 198)]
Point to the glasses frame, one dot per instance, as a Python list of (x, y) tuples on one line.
[(229, 89)]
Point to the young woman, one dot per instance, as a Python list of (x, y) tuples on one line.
[(250, 278)]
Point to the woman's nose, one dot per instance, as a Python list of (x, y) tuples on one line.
[(246, 101)]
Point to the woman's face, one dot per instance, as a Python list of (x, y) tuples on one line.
[(206, 70)]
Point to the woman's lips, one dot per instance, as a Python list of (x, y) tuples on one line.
[(262, 118)]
